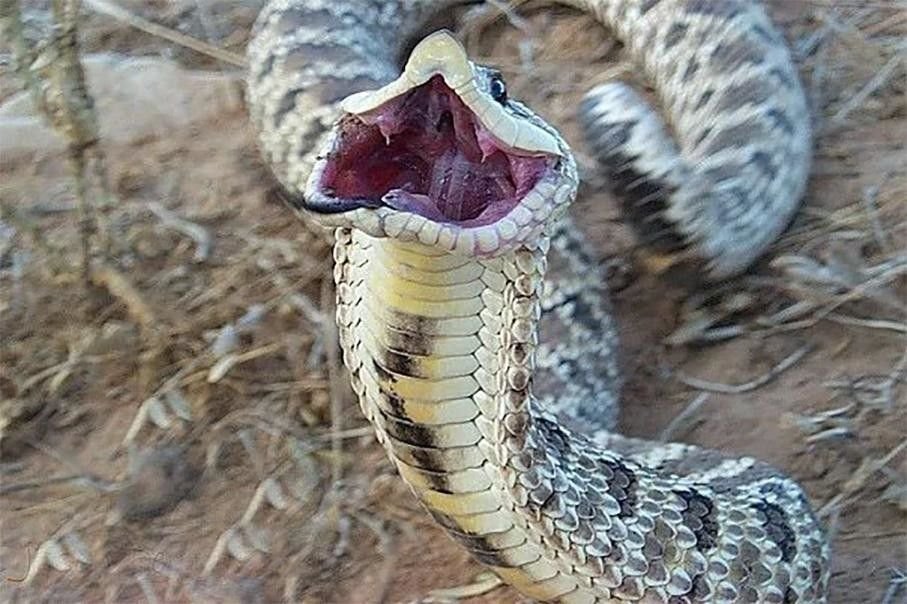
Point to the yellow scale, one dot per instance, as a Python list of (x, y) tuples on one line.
[(407, 283)]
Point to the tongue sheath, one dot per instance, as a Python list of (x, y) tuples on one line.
[(449, 182), (415, 203)]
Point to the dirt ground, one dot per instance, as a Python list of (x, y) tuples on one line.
[(187, 436)]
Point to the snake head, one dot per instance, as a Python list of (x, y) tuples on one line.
[(442, 156)]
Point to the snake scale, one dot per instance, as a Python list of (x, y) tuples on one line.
[(473, 322)]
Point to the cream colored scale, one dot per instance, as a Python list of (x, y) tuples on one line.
[(431, 397)]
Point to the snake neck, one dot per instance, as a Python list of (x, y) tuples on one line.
[(440, 346), (441, 353), (440, 349)]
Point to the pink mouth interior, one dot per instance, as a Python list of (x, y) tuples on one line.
[(425, 152)]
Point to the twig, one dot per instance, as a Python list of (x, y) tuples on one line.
[(870, 323), (683, 416), (898, 580), (8, 489), (27, 567), (223, 366), (76, 163), (345, 434), (71, 111), (197, 233), (117, 12), (870, 203), (386, 548), (507, 9), (147, 588), (866, 470), (879, 535), (487, 13), (753, 384), (94, 482), (484, 583), (123, 290), (336, 386), (891, 22), (879, 278), (55, 79), (868, 89)]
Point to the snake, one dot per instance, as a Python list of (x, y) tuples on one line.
[(473, 320)]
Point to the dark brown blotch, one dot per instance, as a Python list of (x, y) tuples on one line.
[(438, 481), (675, 34), (780, 120), (480, 546), (700, 591), (411, 324), (647, 5), (265, 69), (292, 20), (730, 55), (415, 344), (704, 98), (286, 105), (700, 517), (737, 135), (749, 92), (392, 402), (417, 435), (383, 374), (422, 457), (519, 352), (690, 70), (399, 363), (622, 486), (606, 138), (723, 9), (574, 245), (778, 529), (763, 163), (645, 201)]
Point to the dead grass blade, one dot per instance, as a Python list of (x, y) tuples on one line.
[(121, 14)]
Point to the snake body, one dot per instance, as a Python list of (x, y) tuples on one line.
[(485, 355)]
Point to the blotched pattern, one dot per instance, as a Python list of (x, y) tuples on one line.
[(492, 382)]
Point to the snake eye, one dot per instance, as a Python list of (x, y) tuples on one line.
[(498, 89)]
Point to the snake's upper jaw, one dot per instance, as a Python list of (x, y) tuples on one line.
[(440, 55), (440, 155)]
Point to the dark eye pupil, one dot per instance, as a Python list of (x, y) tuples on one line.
[(498, 90)]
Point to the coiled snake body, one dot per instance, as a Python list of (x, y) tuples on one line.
[(474, 324)]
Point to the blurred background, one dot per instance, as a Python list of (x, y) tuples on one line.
[(175, 424)]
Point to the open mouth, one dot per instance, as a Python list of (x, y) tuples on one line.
[(426, 152)]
